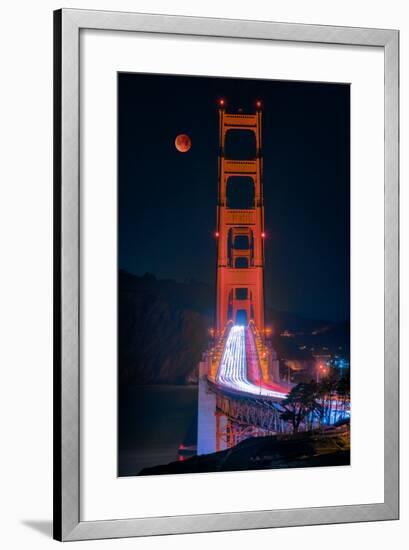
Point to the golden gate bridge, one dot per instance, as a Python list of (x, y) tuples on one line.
[(239, 382)]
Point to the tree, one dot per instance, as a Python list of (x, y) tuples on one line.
[(300, 405), (327, 389), (344, 391)]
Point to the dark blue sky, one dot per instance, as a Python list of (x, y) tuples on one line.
[(167, 200)]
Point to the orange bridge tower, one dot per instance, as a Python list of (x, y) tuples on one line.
[(240, 231)]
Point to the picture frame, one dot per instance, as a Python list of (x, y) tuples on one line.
[(68, 24)]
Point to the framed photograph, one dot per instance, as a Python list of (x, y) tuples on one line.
[(226, 274)]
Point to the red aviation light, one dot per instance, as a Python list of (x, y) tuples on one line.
[(263, 235), (258, 104), (217, 234), (221, 102)]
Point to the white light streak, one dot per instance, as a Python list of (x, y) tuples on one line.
[(232, 373)]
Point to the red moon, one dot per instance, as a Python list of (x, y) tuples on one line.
[(183, 143)]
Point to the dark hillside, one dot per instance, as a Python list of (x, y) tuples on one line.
[(163, 330)]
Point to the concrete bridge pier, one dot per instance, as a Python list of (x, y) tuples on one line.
[(206, 419)]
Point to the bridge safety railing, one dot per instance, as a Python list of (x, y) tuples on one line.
[(262, 352), (216, 352)]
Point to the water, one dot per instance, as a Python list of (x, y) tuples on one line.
[(152, 422)]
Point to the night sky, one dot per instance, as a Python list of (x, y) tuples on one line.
[(167, 200)]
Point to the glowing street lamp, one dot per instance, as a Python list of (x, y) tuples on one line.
[(321, 371)]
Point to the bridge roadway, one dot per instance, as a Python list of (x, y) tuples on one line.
[(232, 373)]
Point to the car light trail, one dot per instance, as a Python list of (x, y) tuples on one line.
[(232, 371)]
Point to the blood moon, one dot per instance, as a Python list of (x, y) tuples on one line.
[(183, 143)]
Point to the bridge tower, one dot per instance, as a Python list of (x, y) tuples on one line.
[(240, 232)]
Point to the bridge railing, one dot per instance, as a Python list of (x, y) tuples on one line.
[(216, 352), (262, 352), (252, 359)]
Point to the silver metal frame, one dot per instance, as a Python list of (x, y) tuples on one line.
[(67, 25)]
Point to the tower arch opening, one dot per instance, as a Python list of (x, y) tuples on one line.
[(240, 193), (240, 144), (241, 317), (241, 293), (241, 263), (241, 242)]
